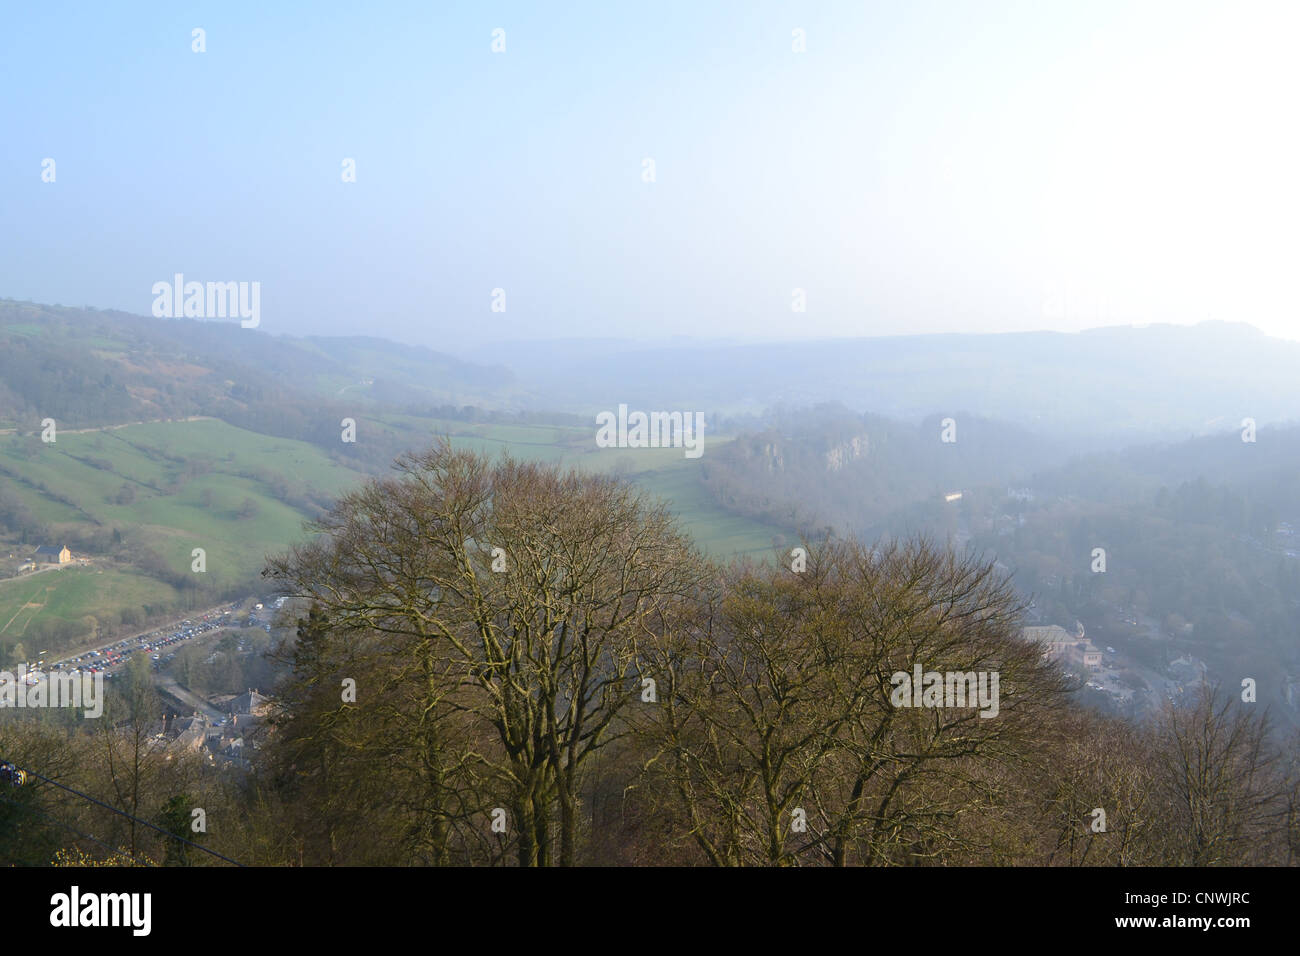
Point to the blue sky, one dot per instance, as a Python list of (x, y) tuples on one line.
[(922, 167)]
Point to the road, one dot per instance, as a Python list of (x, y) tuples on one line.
[(105, 428), (168, 683), (42, 568)]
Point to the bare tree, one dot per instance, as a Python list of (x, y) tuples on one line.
[(514, 602), (1224, 783), (781, 738)]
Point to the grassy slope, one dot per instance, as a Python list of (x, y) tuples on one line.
[(663, 472), (71, 593), (172, 524), (171, 519)]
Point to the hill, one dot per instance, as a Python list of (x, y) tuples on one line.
[(83, 367), (135, 502), (1106, 387)]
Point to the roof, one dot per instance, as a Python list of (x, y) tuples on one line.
[(49, 549), (250, 703), (182, 724)]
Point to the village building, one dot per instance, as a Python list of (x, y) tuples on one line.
[(49, 554)]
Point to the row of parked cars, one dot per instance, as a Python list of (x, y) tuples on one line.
[(153, 644)]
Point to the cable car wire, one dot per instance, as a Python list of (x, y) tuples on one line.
[(85, 836), (198, 846)]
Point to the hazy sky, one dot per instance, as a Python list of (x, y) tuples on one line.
[(920, 168)]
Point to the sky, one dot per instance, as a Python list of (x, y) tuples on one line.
[(917, 168)]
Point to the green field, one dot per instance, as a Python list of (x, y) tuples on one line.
[(72, 593), (200, 484), (168, 488), (721, 534), (79, 480), (663, 472)]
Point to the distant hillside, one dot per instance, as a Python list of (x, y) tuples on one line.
[(829, 466), (83, 367), (1104, 387), (1097, 389)]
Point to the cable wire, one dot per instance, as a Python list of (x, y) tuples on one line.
[(129, 816), (84, 836)]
